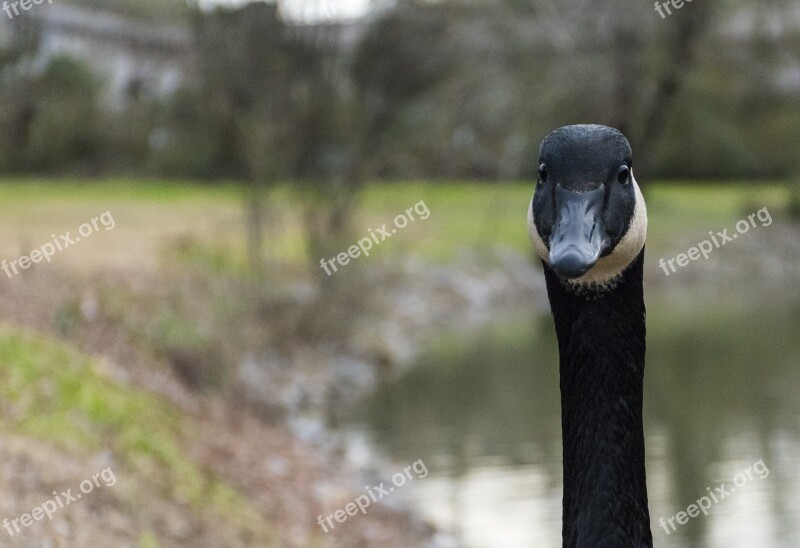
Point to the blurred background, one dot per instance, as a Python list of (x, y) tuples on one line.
[(238, 391)]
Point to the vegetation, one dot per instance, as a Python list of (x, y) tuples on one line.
[(203, 224), (68, 400), (416, 94)]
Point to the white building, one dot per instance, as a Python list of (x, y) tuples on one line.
[(131, 57)]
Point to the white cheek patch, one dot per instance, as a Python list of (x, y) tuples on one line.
[(538, 243), (610, 267)]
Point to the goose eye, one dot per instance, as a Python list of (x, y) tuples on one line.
[(622, 174), (542, 174)]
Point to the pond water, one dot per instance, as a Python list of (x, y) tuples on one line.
[(720, 395)]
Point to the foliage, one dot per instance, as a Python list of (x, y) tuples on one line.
[(48, 115), (63, 128), (418, 90), (466, 90)]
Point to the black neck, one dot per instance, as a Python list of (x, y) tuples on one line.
[(601, 342)]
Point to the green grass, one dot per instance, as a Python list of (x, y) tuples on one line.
[(150, 217), (158, 219), (685, 212), (462, 215), (482, 216), (58, 395)]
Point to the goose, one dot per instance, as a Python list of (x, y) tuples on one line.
[(588, 222)]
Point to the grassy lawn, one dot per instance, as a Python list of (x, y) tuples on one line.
[(469, 215), (156, 217), (149, 218)]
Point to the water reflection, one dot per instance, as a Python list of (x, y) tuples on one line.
[(721, 393)]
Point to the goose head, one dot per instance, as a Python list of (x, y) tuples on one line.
[(587, 219)]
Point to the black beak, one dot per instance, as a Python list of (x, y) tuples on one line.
[(578, 236)]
